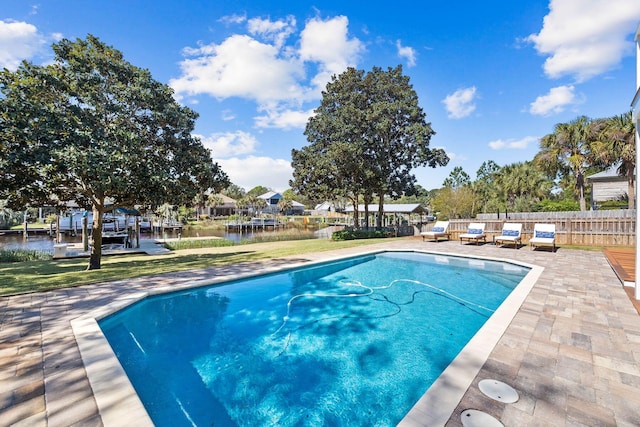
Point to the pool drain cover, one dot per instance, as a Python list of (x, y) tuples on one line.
[(497, 390), (475, 418)]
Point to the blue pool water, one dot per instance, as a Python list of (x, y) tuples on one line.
[(353, 342)]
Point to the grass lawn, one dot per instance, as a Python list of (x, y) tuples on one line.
[(37, 276)]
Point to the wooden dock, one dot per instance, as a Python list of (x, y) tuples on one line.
[(253, 225)]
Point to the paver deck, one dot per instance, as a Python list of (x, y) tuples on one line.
[(572, 351)]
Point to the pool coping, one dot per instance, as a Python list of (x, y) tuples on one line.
[(118, 403), (438, 403)]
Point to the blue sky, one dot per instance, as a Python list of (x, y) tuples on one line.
[(492, 77)]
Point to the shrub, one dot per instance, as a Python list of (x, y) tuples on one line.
[(361, 234), (613, 205), (548, 205)]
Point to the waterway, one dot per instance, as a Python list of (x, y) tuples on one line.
[(41, 241)]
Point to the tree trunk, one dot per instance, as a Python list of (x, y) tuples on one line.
[(366, 215), (356, 219), (96, 234), (580, 185), (380, 211), (631, 190)]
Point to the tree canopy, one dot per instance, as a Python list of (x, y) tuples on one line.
[(234, 191), (616, 146), (567, 151), (516, 187), (93, 128), (366, 136)]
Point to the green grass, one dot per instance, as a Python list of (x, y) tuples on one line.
[(37, 276), (31, 226), (197, 243), (216, 242), (291, 234)]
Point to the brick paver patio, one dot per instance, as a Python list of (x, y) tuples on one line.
[(572, 351)]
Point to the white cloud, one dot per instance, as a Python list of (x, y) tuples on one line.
[(328, 44), (233, 19), (282, 118), (275, 31), (223, 145), (18, 41), (239, 66), (554, 102), (267, 67), (460, 103), (248, 172), (520, 144), (406, 52), (267, 70), (584, 38), (228, 115)]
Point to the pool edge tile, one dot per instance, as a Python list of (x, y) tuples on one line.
[(435, 407), (123, 406), (117, 401)]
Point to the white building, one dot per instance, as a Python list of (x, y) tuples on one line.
[(272, 199), (607, 185), (635, 105)]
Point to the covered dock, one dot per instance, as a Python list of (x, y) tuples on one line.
[(253, 225), (395, 214)]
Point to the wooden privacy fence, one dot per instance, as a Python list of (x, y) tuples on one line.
[(569, 231)]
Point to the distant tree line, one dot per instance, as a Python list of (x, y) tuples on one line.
[(555, 180)]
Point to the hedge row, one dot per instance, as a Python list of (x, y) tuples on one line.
[(361, 234)]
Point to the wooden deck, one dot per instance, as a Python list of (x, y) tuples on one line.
[(623, 262)]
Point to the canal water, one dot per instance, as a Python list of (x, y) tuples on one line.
[(41, 241)]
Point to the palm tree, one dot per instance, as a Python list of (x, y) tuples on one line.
[(199, 201), (285, 205), (253, 203), (617, 146), (485, 187), (213, 202), (166, 213), (568, 151), (522, 185)]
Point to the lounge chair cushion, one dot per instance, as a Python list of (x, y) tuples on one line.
[(545, 234), (474, 231), (511, 233), (437, 229)]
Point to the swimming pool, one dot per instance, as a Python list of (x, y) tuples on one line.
[(340, 343)]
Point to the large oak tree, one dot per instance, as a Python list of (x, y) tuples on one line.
[(366, 137), (93, 128)]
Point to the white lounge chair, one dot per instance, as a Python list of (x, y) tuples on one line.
[(544, 235), (440, 229), (475, 233), (511, 233)]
